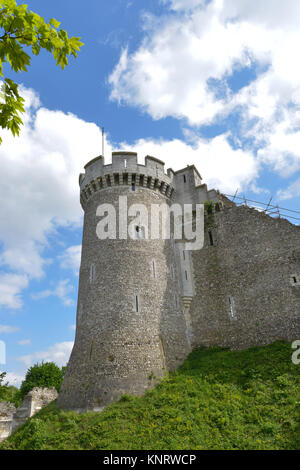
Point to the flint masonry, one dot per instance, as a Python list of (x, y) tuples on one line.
[(144, 304)]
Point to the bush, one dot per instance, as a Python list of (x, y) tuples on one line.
[(208, 206), (46, 374), (8, 392)]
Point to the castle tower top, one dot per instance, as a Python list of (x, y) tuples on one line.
[(123, 161), (125, 170)]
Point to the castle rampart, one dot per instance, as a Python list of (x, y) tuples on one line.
[(124, 170)]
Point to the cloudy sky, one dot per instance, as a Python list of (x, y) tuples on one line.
[(215, 83)]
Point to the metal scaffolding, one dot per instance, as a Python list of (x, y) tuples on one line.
[(267, 208)]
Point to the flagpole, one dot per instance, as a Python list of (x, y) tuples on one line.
[(103, 141)]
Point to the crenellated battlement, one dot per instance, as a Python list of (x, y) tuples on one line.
[(125, 171), (182, 186)]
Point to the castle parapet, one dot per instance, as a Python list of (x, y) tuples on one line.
[(124, 170), (182, 186)]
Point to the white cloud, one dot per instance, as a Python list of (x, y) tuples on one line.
[(14, 378), (171, 72), (178, 57), (62, 291), (281, 143), (220, 166), (70, 259), (25, 342), (293, 190), (184, 4), (270, 13), (58, 353), (8, 329), (39, 184), (11, 286)]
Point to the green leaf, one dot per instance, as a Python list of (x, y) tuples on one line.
[(54, 23), (23, 27)]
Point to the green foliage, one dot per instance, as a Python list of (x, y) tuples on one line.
[(22, 28), (46, 374), (11, 394), (218, 399), (8, 392), (208, 206), (2, 377), (3, 387)]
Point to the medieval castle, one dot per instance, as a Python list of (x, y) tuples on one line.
[(144, 304)]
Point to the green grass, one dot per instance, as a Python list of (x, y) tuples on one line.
[(218, 399)]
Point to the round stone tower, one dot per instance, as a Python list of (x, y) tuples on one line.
[(130, 326)]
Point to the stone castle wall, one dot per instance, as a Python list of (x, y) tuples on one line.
[(34, 401), (11, 418), (7, 411), (246, 294)]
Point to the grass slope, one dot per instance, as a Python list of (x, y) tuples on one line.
[(218, 399)]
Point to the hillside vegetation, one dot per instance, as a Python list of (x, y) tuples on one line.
[(218, 399)]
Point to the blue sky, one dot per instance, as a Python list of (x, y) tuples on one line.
[(214, 83)]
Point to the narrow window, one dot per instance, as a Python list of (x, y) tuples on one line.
[(137, 304), (211, 240), (232, 308), (183, 254), (172, 271), (91, 348), (125, 163), (92, 273), (184, 178), (133, 187), (295, 280), (153, 270), (137, 232), (186, 275)]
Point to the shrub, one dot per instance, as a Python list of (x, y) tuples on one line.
[(46, 374), (8, 392)]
